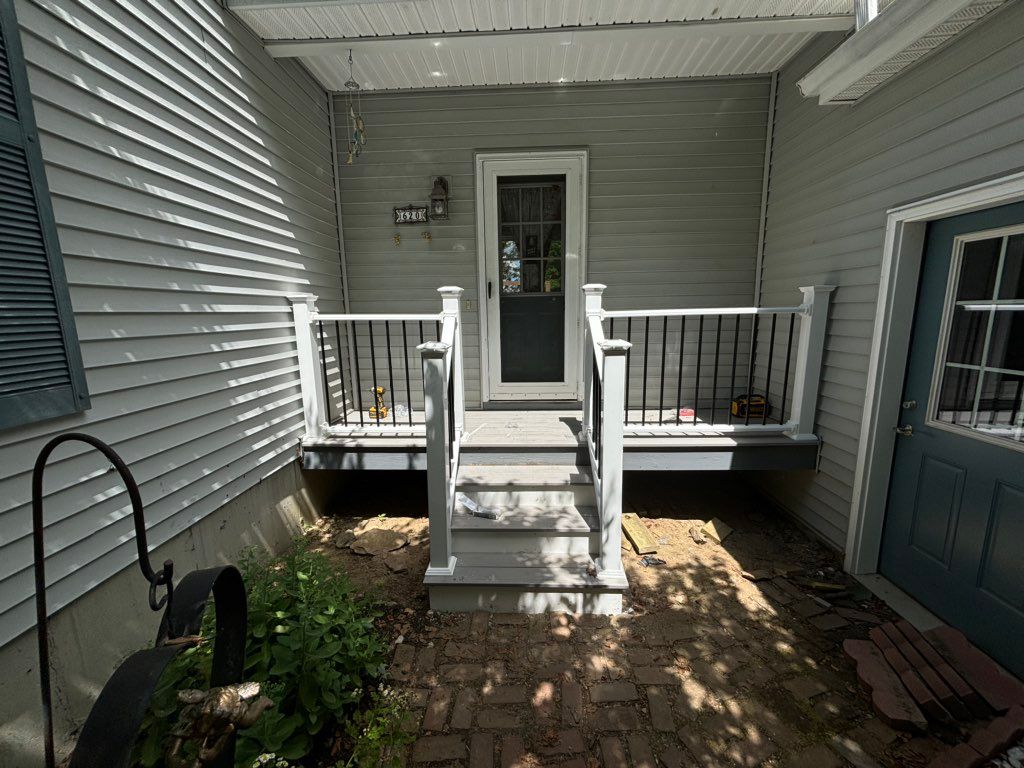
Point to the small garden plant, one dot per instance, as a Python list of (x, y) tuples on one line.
[(313, 647)]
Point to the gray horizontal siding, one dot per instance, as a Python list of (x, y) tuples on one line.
[(192, 186), (954, 119), (675, 190)]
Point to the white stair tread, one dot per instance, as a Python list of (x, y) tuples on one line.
[(527, 476), (527, 569), (563, 519)]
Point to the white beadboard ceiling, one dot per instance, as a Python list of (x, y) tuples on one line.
[(411, 44)]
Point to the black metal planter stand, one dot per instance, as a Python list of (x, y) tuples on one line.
[(111, 729)]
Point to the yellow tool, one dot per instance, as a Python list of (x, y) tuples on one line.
[(378, 411)]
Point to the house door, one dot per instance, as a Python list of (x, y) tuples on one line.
[(532, 253), (954, 528)]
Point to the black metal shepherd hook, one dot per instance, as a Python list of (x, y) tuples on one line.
[(109, 733)]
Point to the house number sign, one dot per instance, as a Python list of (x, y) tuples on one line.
[(411, 214)]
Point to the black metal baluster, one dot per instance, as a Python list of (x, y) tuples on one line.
[(373, 371), (341, 374), (357, 384), (696, 368), (391, 373), (596, 415), (785, 377), (714, 378), (421, 331), (405, 358), (643, 394), (679, 377), (629, 338), (437, 329), (750, 371), (451, 407), (768, 375), (323, 370), (735, 354), (661, 383)]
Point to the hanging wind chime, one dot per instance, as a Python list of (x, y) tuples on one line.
[(354, 115)]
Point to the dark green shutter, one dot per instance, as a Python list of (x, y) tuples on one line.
[(41, 374)]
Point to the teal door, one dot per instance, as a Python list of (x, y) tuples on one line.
[(954, 529)]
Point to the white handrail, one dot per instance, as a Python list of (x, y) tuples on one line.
[(710, 311), (395, 317)]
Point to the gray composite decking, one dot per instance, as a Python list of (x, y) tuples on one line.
[(551, 437)]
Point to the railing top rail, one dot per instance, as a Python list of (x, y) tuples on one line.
[(372, 317), (707, 311)]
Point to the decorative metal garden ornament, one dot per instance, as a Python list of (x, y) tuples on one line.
[(209, 720), (354, 115), (112, 727), (380, 410)]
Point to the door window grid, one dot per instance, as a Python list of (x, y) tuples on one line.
[(982, 390), (531, 222)]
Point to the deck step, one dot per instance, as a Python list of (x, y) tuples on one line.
[(532, 570), (523, 475), (567, 518)]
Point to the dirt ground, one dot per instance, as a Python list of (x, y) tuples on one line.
[(707, 666)]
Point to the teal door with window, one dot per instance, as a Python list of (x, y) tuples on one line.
[(954, 529)]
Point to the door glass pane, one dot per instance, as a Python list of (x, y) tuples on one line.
[(508, 204), (552, 203), (531, 204), (982, 378), (1011, 284)]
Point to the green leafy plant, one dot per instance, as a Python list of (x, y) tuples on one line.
[(313, 647)]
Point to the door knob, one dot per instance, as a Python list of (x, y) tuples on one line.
[(904, 429)]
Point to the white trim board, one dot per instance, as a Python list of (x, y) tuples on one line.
[(574, 163), (901, 263)]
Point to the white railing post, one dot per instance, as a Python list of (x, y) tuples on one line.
[(613, 390), (451, 300), (592, 293), (435, 400), (313, 396), (810, 352)]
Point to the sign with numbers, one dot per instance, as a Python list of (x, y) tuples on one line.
[(411, 214)]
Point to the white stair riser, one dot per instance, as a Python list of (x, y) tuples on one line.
[(523, 600), (565, 496), (509, 542)]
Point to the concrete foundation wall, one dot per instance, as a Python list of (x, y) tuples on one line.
[(92, 635)]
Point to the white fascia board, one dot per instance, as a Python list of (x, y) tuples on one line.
[(280, 5), (889, 33), (544, 38)]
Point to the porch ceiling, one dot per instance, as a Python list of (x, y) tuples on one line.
[(413, 44)]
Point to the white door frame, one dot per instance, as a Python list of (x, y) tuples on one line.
[(890, 344), (573, 163)]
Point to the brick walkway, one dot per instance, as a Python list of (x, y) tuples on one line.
[(656, 690)]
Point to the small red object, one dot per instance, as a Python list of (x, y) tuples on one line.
[(686, 413)]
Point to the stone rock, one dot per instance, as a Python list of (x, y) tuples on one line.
[(377, 541), (397, 562), (344, 538)]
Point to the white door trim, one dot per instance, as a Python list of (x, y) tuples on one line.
[(890, 344), (541, 162)]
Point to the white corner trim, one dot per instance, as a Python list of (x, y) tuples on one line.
[(888, 34), (901, 263)]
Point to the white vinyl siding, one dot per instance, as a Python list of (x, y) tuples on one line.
[(953, 120), (192, 188), (674, 191)]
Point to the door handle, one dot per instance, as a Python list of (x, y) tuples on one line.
[(906, 430), (488, 289)]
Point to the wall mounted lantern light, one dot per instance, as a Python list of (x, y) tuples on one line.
[(439, 199)]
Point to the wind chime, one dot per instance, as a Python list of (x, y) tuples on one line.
[(354, 115)]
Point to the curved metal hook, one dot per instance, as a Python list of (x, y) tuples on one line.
[(155, 579)]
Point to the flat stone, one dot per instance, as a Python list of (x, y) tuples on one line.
[(434, 749), (464, 651), (572, 702), (462, 673), (853, 752), (616, 719), (673, 757), (660, 709), (497, 719), (808, 607), (437, 709), (543, 700), (804, 687), (827, 622), (377, 541), (513, 752), (613, 754), (478, 627), (397, 562), (640, 751), (426, 659), (622, 690), (656, 675), (891, 700), (481, 751), (462, 712), (817, 756), (504, 694)]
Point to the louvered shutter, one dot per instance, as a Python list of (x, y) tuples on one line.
[(41, 372)]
